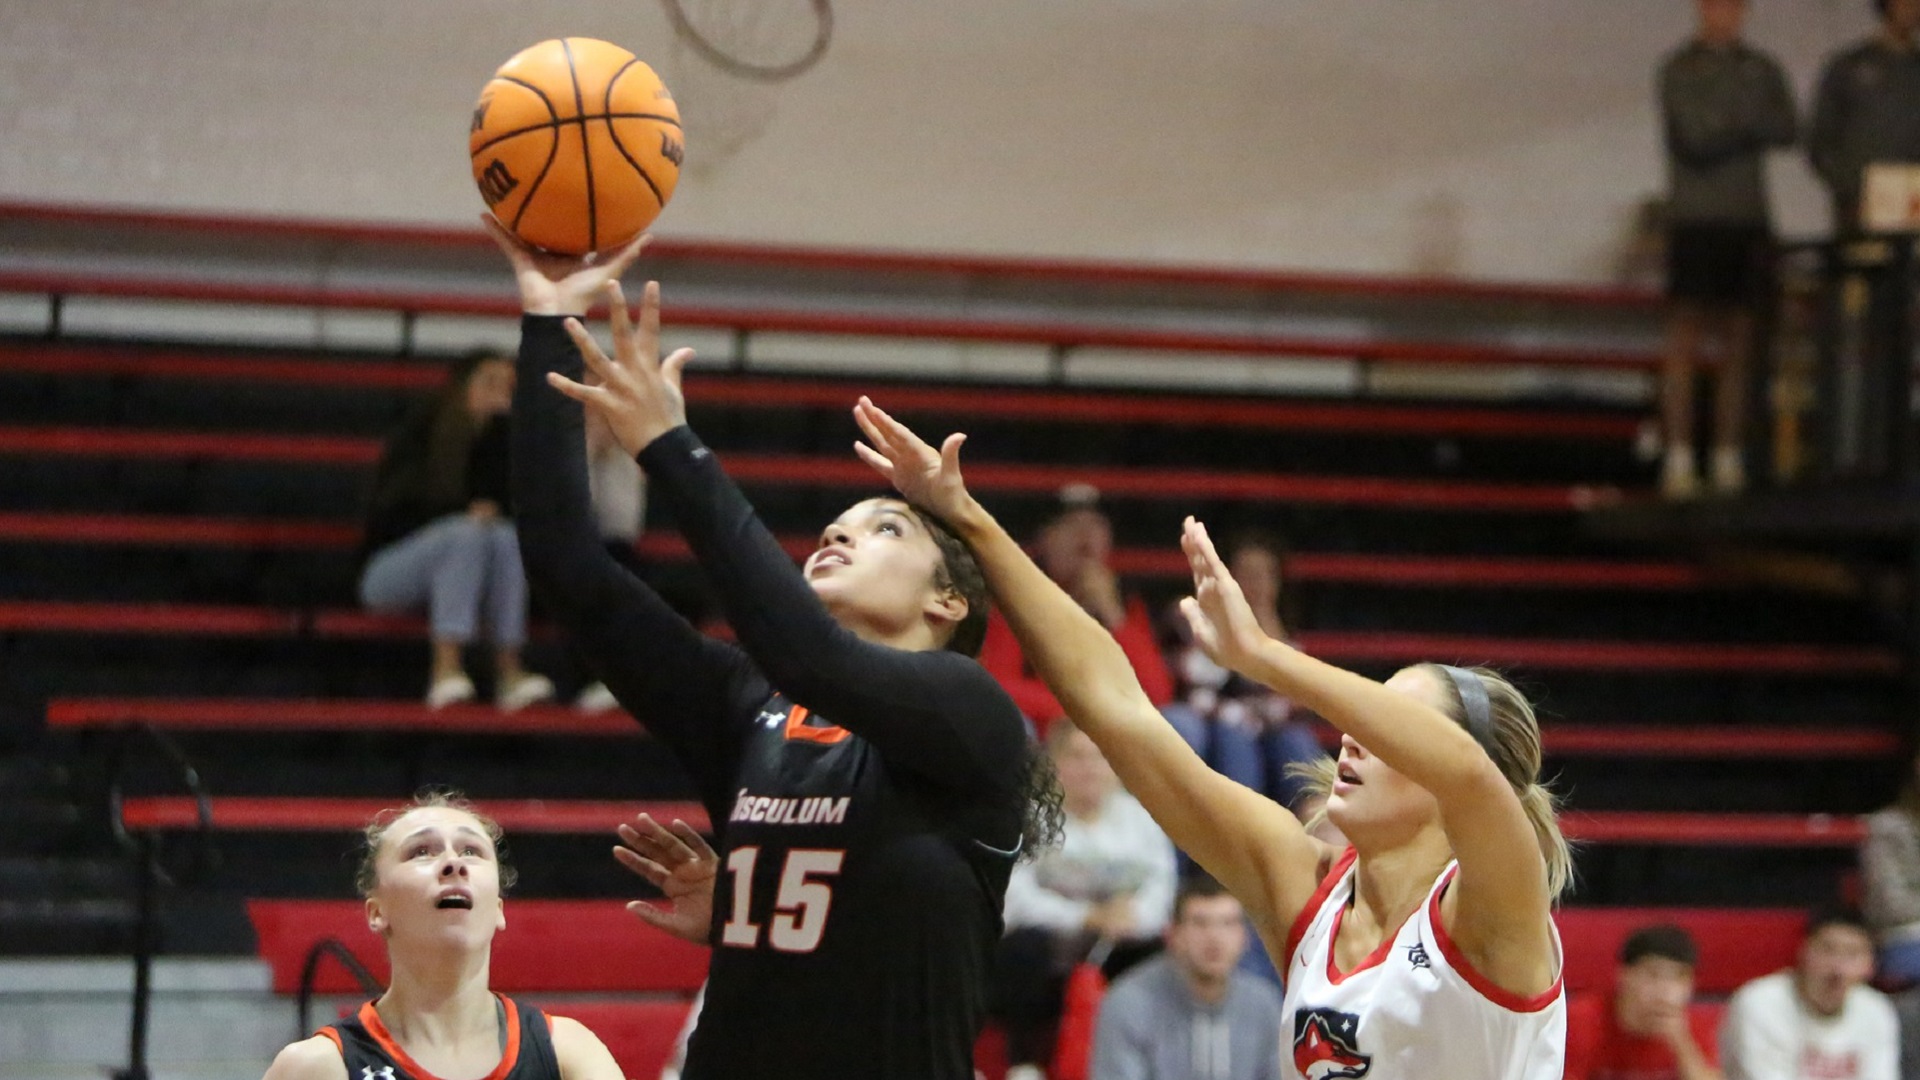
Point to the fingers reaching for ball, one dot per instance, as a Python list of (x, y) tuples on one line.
[(633, 392)]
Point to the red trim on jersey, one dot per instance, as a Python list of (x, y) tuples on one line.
[(797, 729), (370, 1019), (1372, 959), (1319, 897), (1506, 999), (335, 1036)]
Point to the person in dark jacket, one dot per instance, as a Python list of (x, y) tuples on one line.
[(440, 536), (1724, 104), (1867, 109)]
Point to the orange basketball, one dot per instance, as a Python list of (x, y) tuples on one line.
[(576, 145)]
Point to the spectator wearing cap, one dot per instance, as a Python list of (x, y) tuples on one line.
[(1188, 1014), (1075, 548), (1818, 1020), (1644, 1029)]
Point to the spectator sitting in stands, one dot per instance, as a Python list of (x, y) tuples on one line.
[(1111, 880), (1724, 103), (1819, 1020), (434, 880), (1643, 1030), (1867, 109), (1243, 729), (1890, 873), (1074, 548), (440, 538), (1189, 1014)]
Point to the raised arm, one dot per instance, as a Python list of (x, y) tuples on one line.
[(694, 692), (1255, 847), (934, 714), (1497, 909)]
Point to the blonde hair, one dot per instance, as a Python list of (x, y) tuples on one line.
[(1515, 749), (367, 875)]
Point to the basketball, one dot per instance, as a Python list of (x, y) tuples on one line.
[(576, 145)]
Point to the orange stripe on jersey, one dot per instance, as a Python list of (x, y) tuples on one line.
[(370, 1019), (335, 1037), (797, 729)]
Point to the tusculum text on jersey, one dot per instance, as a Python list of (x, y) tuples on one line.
[(771, 810)]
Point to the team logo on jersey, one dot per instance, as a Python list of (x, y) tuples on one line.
[(1326, 1045), (384, 1072)]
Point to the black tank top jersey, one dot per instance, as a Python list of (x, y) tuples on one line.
[(867, 801), (854, 918), (372, 1054)]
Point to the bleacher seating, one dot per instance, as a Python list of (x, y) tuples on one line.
[(180, 524)]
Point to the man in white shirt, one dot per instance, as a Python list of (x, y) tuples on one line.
[(1819, 1020), (1111, 881)]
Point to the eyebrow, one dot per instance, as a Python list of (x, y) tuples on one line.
[(424, 829)]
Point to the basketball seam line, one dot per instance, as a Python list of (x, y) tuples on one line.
[(504, 136), (586, 149), (534, 188), (621, 146)]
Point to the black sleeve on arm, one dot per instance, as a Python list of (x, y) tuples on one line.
[(697, 694), (935, 714)]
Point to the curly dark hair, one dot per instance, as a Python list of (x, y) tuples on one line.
[(1043, 816), (959, 572)]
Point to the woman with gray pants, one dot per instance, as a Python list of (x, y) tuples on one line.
[(440, 535)]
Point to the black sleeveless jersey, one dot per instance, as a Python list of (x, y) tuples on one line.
[(372, 1054), (867, 801)]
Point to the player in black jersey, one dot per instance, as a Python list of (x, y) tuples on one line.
[(432, 877), (869, 783)]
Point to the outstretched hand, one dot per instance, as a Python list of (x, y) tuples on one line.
[(923, 476), (561, 284), (680, 864), (1222, 621), (637, 394)]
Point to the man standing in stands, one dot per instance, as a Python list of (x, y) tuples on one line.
[(1868, 109), (1189, 1014), (1724, 104), (1819, 1020), (1644, 1029)]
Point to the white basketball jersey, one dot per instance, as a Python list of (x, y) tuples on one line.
[(1414, 1010)]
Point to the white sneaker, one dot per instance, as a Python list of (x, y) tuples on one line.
[(596, 699), (524, 691), (1678, 479), (449, 690), (1729, 471), (1649, 442)]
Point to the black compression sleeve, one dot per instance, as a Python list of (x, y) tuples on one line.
[(935, 714), (697, 694)]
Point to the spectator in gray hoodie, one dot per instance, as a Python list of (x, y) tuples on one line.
[(1868, 108), (1724, 104), (1189, 1014)]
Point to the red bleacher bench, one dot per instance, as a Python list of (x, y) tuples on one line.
[(549, 946), (268, 715), (1736, 944)]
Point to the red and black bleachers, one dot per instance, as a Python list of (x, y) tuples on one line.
[(178, 525)]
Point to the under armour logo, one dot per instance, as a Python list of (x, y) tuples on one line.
[(701, 453), (384, 1072), (772, 719), (1417, 956)]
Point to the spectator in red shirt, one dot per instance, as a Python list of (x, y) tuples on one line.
[(1075, 548), (1643, 1030)]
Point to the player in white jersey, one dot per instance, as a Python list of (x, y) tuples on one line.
[(1427, 950)]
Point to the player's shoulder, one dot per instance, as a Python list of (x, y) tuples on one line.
[(579, 1052), (317, 1058)]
